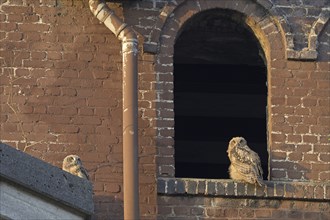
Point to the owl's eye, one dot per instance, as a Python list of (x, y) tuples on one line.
[(70, 159)]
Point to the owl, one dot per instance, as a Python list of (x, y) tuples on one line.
[(73, 165), (245, 163)]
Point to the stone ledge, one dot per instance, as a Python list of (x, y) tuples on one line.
[(44, 179), (305, 54), (229, 188), (150, 47)]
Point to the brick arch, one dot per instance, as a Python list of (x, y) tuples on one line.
[(260, 13), (275, 14), (316, 30), (258, 18)]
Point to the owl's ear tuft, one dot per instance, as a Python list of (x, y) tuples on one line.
[(69, 158)]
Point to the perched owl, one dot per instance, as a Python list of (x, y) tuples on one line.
[(73, 165), (245, 163)]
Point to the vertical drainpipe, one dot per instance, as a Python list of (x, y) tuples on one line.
[(130, 135)]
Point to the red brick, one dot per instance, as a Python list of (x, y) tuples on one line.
[(323, 128), (304, 147), (39, 109), (302, 111), (294, 138), (295, 156), (8, 26), (294, 119), (308, 66), (9, 127), (288, 165), (283, 110), (324, 176), (308, 157), (25, 109), (309, 139), (31, 18), (2, 17), (293, 65), (92, 120), (300, 92), (33, 27), (53, 55), (263, 213), (320, 167), (282, 128), (321, 111), (38, 55), (292, 83), (278, 100), (86, 111), (293, 101), (309, 84), (325, 157), (323, 75), (16, 9), (278, 155), (278, 137), (301, 129), (71, 111), (3, 36), (14, 18), (322, 148), (65, 38), (112, 187), (86, 56), (324, 139)]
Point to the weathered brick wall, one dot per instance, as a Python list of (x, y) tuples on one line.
[(201, 207), (61, 93), (298, 88), (293, 37), (225, 199)]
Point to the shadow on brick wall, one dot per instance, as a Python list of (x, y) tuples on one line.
[(286, 168), (323, 44), (108, 207)]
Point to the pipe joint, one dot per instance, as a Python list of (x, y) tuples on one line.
[(97, 6), (127, 34)]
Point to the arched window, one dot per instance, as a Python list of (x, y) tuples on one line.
[(220, 92)]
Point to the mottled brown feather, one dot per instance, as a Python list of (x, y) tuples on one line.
[(245, 163), (73, 165)]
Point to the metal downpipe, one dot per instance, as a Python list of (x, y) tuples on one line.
[(130, 113)]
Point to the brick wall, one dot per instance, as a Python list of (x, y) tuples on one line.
[(225, 199), (61, 93), (201, 207), (61, 90), (298, 127)]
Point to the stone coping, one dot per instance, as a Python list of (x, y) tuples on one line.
[(229, 188), (45, 179)]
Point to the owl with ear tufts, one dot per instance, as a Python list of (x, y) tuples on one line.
[(73, 165), (245, 163)]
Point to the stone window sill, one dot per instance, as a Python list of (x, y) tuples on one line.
[(228, 188)]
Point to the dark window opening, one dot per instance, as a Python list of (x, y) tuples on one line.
[(219, 92)]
